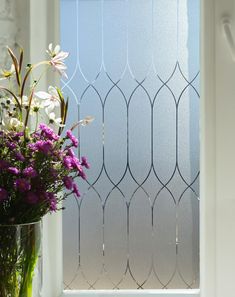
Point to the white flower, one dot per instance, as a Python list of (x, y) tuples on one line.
[(57, 59), (4, 73), (8, 107), (36, 105), (52, 52), (87, 120), (51, 98), (12, 124), (25, 101), (7, 101), (54, 120), (15, 123)]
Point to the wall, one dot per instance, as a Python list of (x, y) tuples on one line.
[(8, 28)]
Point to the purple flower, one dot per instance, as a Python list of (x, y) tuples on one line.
[(22, 185), (3, 194), (32, 198), (82, 174), (44, 146), (19, 134), (52, 200), (32, 146), (19, 156), (58, 154), (85, 163), (76, 191), (76, 164), (29, 172), (72, 138), (4, 164), (72, 163), (13, 170), (67, 161), (48, 132), (68, 182), (11, 145), (70, 152)]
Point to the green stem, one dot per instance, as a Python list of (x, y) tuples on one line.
[(18, 258)]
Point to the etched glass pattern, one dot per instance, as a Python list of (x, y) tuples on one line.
[(134, 66)]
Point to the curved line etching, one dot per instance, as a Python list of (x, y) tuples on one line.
[(160, 185)]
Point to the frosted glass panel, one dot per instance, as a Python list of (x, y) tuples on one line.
[(134, 66)]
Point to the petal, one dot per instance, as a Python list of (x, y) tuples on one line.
[(25, 99), (58, 120), (42, 95), (47, 103), (50, 47), (53, 91), (61, 56), (12, 69), (49, 109), (87, 120), (57, 49), (52, 116)]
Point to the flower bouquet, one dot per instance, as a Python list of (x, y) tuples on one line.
[(36, 165)]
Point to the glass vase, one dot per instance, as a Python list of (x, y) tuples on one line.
[(20, 260)]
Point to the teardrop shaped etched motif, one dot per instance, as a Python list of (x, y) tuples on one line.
[(139, 132), (140, 240), (188, 134), (115, 253), (91, 238), (164, 134), (91, 104), (115, 134), (164, 218)]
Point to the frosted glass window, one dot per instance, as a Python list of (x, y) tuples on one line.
[(134, 66)]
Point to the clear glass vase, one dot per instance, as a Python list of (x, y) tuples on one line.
[(20, 260)]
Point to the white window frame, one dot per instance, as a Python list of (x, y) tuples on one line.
[(217, 206)]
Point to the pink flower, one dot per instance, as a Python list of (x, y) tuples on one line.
[(72, 138), (19, 156), (44, 146), (11, 145), (67, 161), (76, 164), (85, 163), (48, 132), (71, 152), (22, 185), (82, 174), (76, 191), (29, 172), (52, 200), (68, 182), (13, 170)]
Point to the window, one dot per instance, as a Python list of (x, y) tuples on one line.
[(134, 66)]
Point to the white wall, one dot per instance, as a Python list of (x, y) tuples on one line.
[(8, 28)]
